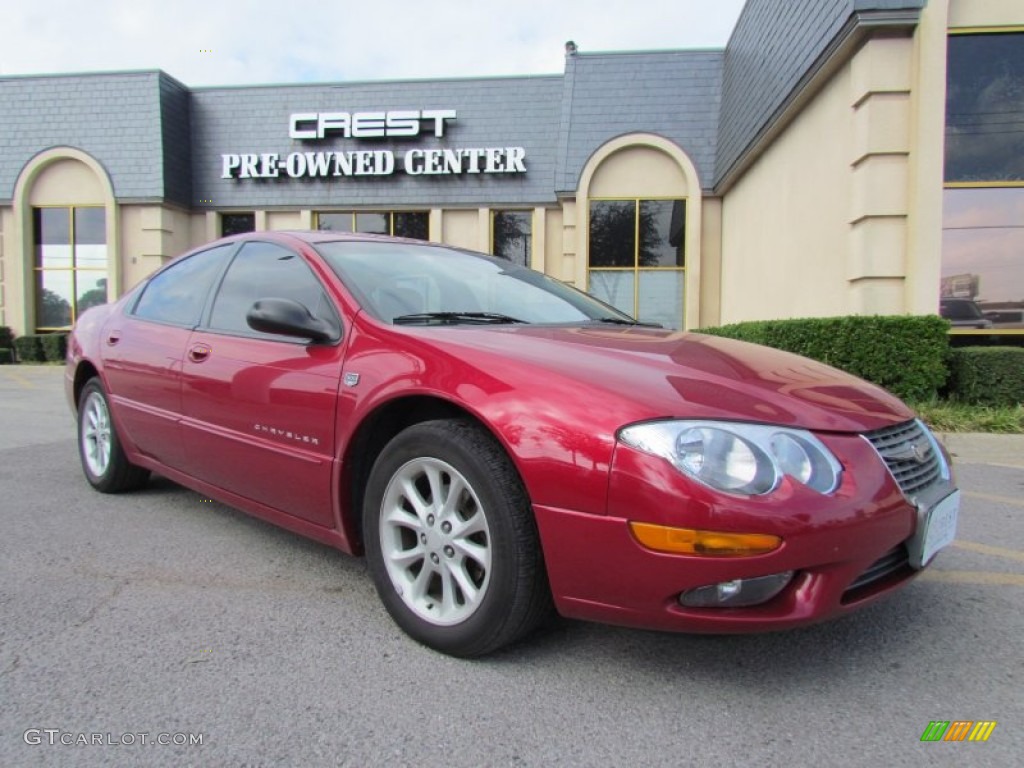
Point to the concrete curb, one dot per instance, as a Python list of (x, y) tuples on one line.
[(981, 448)]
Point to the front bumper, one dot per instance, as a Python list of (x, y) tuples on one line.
[(845, 549)]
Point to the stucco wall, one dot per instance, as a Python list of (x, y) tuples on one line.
[(284, 220), (985, 13), (785, 224), (150, 236), (460, 228), (818, 226)]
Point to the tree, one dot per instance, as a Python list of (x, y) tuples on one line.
[(93, 297), (512, 236), (54, 310)]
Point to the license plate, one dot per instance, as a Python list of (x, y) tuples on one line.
[(939, 527)]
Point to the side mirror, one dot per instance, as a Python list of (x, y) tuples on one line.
[(288, 318)]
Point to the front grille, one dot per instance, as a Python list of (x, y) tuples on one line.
[(893, 561), (910, 455)]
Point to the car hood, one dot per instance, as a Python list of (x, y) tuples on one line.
[(668, 374)]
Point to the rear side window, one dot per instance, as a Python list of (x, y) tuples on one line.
[(178, 294), (264, 271)]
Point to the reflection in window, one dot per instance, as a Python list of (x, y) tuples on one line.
[(637, 257), (336, 222), (613, 234), (373, 223), (178, 294), (412, 224), (617, 288), (983, 256), (261, 271), (237, 223), (70, 263), (511, 236), (985, 107)]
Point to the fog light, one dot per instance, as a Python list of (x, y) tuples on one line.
[(737, 593)]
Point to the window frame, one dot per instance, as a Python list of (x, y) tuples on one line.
[(636, 270), (989, 184), (390, 213), (529, 237), (206, 316), (967, 32), (38, 270), (132, 308), (222, 214)]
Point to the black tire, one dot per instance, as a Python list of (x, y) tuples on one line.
[(464, 573), (99, 447)]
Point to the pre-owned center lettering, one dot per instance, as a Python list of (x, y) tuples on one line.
[(368, 125)]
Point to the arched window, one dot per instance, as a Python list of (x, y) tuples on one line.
[(641, 201)]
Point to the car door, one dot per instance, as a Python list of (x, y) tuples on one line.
[(260, 408), (142, 350)]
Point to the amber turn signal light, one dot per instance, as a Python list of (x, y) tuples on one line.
[(690, 541)]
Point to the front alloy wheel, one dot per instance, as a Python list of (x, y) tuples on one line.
[(435, 541), (451, 541)]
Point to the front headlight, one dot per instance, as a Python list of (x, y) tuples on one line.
[(747, 459)]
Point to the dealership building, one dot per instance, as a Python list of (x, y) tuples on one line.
[(836, 157)]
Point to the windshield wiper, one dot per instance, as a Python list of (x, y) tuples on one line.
[(455, 318), (624, 321)]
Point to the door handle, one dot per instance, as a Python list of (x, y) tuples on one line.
[(199, 352), (113, 337)]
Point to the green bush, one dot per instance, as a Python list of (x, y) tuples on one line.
[(986, 375), (6, 337), (30, 349), (6, 355), (55, 347), (904, 354)]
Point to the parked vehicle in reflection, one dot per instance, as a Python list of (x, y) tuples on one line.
[(963, 313)]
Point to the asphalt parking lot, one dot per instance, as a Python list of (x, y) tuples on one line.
[(161, 616)]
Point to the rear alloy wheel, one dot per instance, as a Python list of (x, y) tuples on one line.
[(103, 461), (451, 541)]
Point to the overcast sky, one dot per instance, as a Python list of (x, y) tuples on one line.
[(277, 41)]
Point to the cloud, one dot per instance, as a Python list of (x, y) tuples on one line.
[(259, 41), (982, 207)]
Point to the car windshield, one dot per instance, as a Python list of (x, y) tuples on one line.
[(410, 284)]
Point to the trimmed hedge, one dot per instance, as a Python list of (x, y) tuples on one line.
[(986, 375), (904, 354), (30, 349), (43, 347), (6, 345), (55, 347)]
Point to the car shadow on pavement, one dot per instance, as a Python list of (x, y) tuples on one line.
[(877, 639)]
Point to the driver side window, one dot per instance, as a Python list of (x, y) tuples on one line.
[(261, 271)]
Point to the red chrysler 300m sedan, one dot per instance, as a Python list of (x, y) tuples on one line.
[(500, 445)]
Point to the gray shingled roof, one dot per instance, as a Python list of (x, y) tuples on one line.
[(112, 117), (774, 45), (674, 94)]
